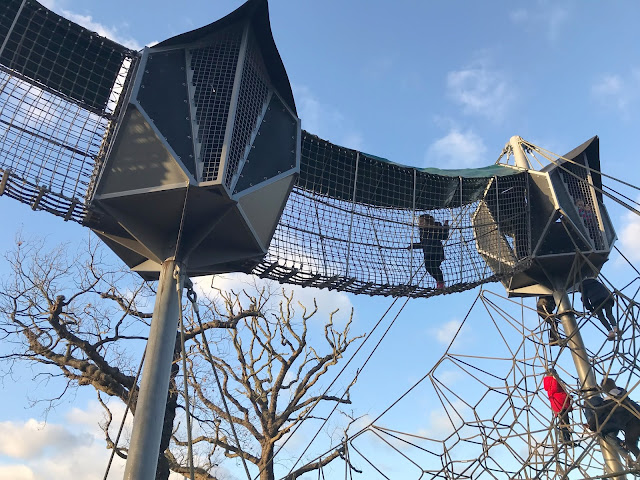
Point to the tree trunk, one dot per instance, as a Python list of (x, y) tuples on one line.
[(266, 463)]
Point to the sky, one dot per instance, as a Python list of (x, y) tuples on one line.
[(427, 84)]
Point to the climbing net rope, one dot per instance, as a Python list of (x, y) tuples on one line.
[(493, 418), (489, 414)]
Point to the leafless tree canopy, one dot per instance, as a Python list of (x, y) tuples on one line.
[(80, 319)]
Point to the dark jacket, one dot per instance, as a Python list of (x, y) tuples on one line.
[(606, 416), (431, 238), (594, 294), (545, 306)]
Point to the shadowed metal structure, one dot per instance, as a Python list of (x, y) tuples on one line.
[(188, 158), (142, 146)]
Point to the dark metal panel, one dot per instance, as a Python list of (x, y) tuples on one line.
[(274, 148), (138, 160), (257, 12), (60, 54), (163, 95), (541, 206)]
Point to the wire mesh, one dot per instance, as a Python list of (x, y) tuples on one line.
[(252, 98), (213, 74), (580, 190), (61, 88), (59, 54), (352, 223)]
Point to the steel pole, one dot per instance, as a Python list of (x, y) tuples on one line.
[(585, 374), (519, 156), (142, 458)]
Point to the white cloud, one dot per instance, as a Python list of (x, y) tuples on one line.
[(457, 149), (630, 236), (617, 91), (327, 300), (87, 22), (31, 439), (325, 120), (445, 333), (16, 472), (544, 16), (55, 451), (481, 90)]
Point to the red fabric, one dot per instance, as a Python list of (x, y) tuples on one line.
[(559, 399)]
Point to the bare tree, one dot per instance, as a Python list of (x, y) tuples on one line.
[(79, 318), (270, 382)]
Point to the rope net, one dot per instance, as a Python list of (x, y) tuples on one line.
[(487, 412), (352, 223), (60, 94)]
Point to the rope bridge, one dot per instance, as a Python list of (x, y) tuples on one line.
[(348, 224), (351, 216)]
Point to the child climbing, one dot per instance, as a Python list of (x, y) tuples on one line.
[(545, 306), (627, 413), (560, 403), (598, 299), (608, 417), (432, 234)]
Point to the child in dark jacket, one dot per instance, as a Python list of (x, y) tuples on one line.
[(596, 298), (545, 306), (432, 234)]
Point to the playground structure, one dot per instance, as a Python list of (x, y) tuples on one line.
[(216, 175)]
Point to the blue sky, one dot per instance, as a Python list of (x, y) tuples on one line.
[(438, 84)]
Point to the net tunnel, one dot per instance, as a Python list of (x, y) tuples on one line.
[(350, 218)]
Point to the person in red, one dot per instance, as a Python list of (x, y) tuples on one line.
[(560, 402)]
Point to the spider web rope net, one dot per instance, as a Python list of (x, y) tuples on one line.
[(486, 412)]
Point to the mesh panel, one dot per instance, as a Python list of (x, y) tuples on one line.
[(253, 95), (60, 54), (580, 191), (351, 245), (49, 141), (214, 69)]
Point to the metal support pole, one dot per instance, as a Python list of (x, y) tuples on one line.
[(585, 374), (518, 152), (142, 458)]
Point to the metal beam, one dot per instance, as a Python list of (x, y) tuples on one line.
[(586, 376), (144, 448)]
